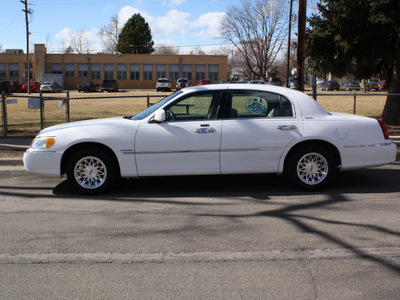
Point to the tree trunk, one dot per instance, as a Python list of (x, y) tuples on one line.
[(391, 112)]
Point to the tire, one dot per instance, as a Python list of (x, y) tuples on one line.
[(91, 171), (311, 167)]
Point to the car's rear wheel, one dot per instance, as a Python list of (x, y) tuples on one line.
[(311, 167), (91, 171)]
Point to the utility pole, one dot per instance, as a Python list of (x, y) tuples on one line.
[(27, 12), (301, 48), (289, 41)]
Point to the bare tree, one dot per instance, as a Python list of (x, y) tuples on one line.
[(197, 51), (166, 50), (234, 58), (258, 30), (79, 42), (110, 34)]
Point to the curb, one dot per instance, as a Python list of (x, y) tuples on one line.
[(11, 162)]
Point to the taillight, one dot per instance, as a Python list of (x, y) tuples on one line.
[(384, 129)]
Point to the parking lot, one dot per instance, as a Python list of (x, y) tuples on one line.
[(229, 237)]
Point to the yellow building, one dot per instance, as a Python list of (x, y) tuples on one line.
[(130, 70)]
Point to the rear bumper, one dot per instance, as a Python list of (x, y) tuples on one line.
[(368, 155)]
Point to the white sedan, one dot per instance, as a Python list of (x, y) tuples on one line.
[(214, 129)]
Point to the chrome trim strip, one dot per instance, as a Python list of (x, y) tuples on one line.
[(176, 152), (370, 145), (203, 151), (127, 151), (247, 150)]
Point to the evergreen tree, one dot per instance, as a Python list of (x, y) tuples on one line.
[(135, 37), (360, 39), (352, 38)]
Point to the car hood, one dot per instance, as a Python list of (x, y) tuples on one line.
[(91, 125), (116, 133)]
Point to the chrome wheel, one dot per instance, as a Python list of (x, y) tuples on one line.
[(312, 168), (90, 172)]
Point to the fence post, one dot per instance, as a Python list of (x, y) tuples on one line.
[(355, 104), (148, 101), (4, 110), (67, 107), (41, 111)]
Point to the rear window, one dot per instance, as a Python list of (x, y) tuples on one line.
[(163, 80)]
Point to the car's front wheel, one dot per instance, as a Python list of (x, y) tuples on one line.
[(311, 167), (91, 171)]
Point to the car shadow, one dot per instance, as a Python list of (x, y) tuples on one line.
[(260, 187)]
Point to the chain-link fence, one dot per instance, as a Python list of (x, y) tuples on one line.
[(27, 114)]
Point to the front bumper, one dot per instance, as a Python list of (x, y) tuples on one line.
[(46, 163)]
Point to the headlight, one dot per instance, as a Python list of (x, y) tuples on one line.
[(44, 142)]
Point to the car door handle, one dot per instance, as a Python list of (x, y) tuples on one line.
[(287, 127), (205, 130)]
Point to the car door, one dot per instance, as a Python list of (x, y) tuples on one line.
[(188, 142), (258, 127)]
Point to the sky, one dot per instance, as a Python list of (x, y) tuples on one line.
[(184, 24)]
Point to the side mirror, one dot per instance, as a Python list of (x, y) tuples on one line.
[(159, 116)]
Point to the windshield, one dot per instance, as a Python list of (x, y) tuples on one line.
[(147, 112)]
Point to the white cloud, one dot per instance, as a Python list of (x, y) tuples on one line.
[(174, 22), (128, 11), (164, 42), (65, 36), (211, 21)]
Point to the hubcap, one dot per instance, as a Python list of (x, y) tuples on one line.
[(90, 172), (312, 168)]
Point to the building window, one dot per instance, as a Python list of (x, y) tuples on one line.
[(187, 72), (213, 72), (108, 71), (83, 70), (147, 72), (69, 70), (14, 70), (161, 71), (3, 70), (200, 72), (121, 71), (30, 66), (135, 71), (56, 68), (173, 72), (95, 69)]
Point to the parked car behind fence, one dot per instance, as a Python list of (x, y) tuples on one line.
[(330, 85), (350, 85), (109, 85), (50, 87), (86, 86)]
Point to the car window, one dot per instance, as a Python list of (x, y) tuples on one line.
[(256, 104), (197, 106), (147, 112)]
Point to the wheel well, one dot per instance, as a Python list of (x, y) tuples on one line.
[(89, 145), (317, 143)]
